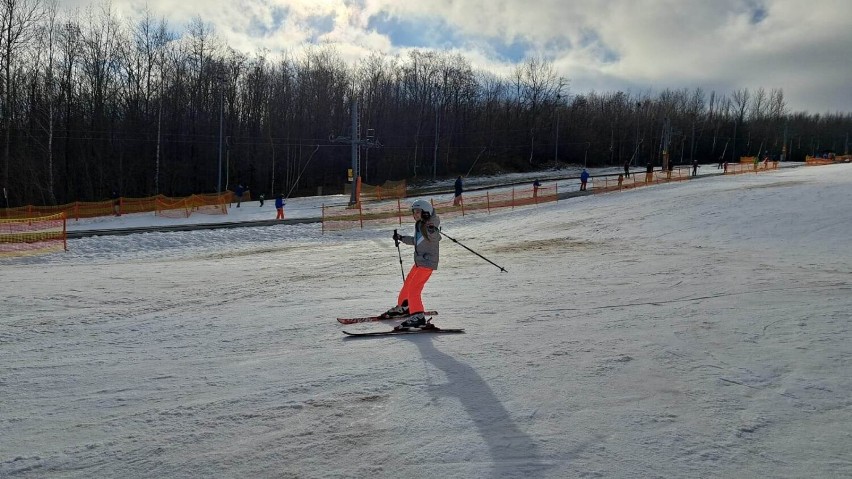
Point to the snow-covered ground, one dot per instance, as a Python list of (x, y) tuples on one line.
[(697, 329)]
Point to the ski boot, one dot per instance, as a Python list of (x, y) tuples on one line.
[(417, 320)]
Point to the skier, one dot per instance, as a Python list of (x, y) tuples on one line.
[(238, 193), (584, 177), (279, 206), (459, 189), (427, 234), (116, 202)]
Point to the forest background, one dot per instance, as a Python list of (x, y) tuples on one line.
[(91, 103)]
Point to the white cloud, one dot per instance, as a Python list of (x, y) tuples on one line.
[(801, 47)]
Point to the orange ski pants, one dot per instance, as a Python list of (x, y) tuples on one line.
[(413, 286)]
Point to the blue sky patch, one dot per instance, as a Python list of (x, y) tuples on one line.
[(415, 33), (757, 11), (513, 52), (319, 25), (258, 28), (592, 41), (437, 34)]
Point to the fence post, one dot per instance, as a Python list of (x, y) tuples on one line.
[(399, 211), (488, 200), (64, 234), (360, 213), (322, 231)]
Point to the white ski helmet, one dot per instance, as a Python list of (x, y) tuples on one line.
[(424, 206)]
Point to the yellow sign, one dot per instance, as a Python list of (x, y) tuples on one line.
[(350, 174)]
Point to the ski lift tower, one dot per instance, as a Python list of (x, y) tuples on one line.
[(356, 143)]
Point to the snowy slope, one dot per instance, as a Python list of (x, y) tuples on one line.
[(698, 329)]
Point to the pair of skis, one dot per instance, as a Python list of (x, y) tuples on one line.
[(429, 328)]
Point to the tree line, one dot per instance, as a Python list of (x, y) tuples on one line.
[(91, 102)]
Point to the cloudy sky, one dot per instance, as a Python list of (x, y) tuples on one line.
[(801, 46)]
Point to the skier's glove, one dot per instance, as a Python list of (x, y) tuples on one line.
[(396, 236)]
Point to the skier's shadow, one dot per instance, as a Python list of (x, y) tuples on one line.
[(512, 451)]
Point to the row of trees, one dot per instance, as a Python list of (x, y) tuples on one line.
[(92, 102)]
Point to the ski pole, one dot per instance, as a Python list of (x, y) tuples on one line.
[(474, 252), (396, 240)]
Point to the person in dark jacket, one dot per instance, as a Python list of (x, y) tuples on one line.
[(649, 173), (459, 186), (627, 169), (116, 202), (238, 193), (426, 242)]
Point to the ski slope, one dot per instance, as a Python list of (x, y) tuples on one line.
[(697, 329)]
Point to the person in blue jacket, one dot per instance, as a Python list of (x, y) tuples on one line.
[(238, 193), (584, 177), (279, 206)]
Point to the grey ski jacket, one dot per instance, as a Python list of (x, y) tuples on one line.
[(425, 246)]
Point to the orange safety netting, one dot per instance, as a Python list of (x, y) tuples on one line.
[(390, 189), (746, 167), (214, 204), (816, 161), (35, 235), (231, 197), (389, 212)]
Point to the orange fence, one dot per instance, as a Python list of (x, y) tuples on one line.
[(184, 207), (207, 203), (612, 183), (369, 213), (35, 235), (391, 189), (749, 167), (816, 161)]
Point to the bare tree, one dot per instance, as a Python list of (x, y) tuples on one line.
[(740, 101), (18, 22), (538, 86)]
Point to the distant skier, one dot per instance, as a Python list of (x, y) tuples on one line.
[(459, 189), (427, 235), (238, 193), (627, 169), (584, 177), (536, 186), (116, 202), (279, 206), (695, 167)]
